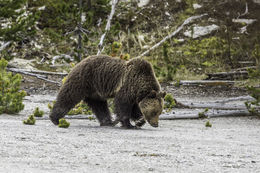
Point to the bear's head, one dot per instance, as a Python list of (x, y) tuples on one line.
[(152, 106)]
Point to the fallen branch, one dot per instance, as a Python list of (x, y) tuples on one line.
[(205, 82), (193, 115), (244, 68), (110, 17), (38, 72), (187, 21), (42, 77), (241, 98), (214, 106), (228, 75)]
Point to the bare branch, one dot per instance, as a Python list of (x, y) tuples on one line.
[(245, 13), (187, 21), (5, 45)]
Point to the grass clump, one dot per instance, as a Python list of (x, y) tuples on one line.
[(38, 113), (203, 113), (169, 102), (30, 121), (252, 105), (63, 123), (208, 124)]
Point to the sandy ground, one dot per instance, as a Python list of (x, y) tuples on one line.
[(231, 145)]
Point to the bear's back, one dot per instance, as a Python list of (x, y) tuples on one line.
[(103, 74)]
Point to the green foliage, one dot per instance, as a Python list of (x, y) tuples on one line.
[(208, 124), (91, 118), (203, 113), (30, 121), (213, 48), (80, 108), (38, 113), (19, 21), (10, 95), (60, 17), (63, 123), (256, 54), (254, 73), (251, 105), (115, 48), (169, 102), (171, 69)]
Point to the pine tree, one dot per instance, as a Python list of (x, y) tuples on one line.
[(17, 21), (10, 95)]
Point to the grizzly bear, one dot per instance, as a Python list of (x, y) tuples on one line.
[(132, 84)]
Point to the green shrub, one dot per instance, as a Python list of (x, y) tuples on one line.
[(251, 105), (208, 124), (30, 121), (38, 113), (11, 96), (63, 123), (169, 102), (203, 113)]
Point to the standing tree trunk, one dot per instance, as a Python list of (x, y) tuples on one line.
[(79, 32)]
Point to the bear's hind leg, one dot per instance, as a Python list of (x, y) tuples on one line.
[(100, 109)]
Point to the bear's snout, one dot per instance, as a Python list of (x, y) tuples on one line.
[(153, 124)]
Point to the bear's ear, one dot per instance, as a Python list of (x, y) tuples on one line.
[(152, 94), (162, 94)]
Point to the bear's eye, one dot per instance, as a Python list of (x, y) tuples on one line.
[(154, 113)]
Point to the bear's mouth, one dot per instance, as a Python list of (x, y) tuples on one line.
[(153, 124)]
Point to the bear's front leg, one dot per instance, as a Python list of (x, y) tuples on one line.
[(137, 116), (123, 112)]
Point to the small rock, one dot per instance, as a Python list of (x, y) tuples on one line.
[(199, 31)]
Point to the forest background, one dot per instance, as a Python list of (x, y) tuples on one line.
[(42, 30)]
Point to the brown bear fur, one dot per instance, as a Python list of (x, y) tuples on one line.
[(132, 84)]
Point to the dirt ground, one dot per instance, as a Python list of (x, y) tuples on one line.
[(230, 145)]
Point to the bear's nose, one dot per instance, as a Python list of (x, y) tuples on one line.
[(154, 125)]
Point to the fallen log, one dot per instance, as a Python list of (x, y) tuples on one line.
[(206, 82), (38, 71), (195, 115), (173, 116), (214, 106), (42, 77), (241, 98), (243, 68), (246, 63), (227, 75)]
